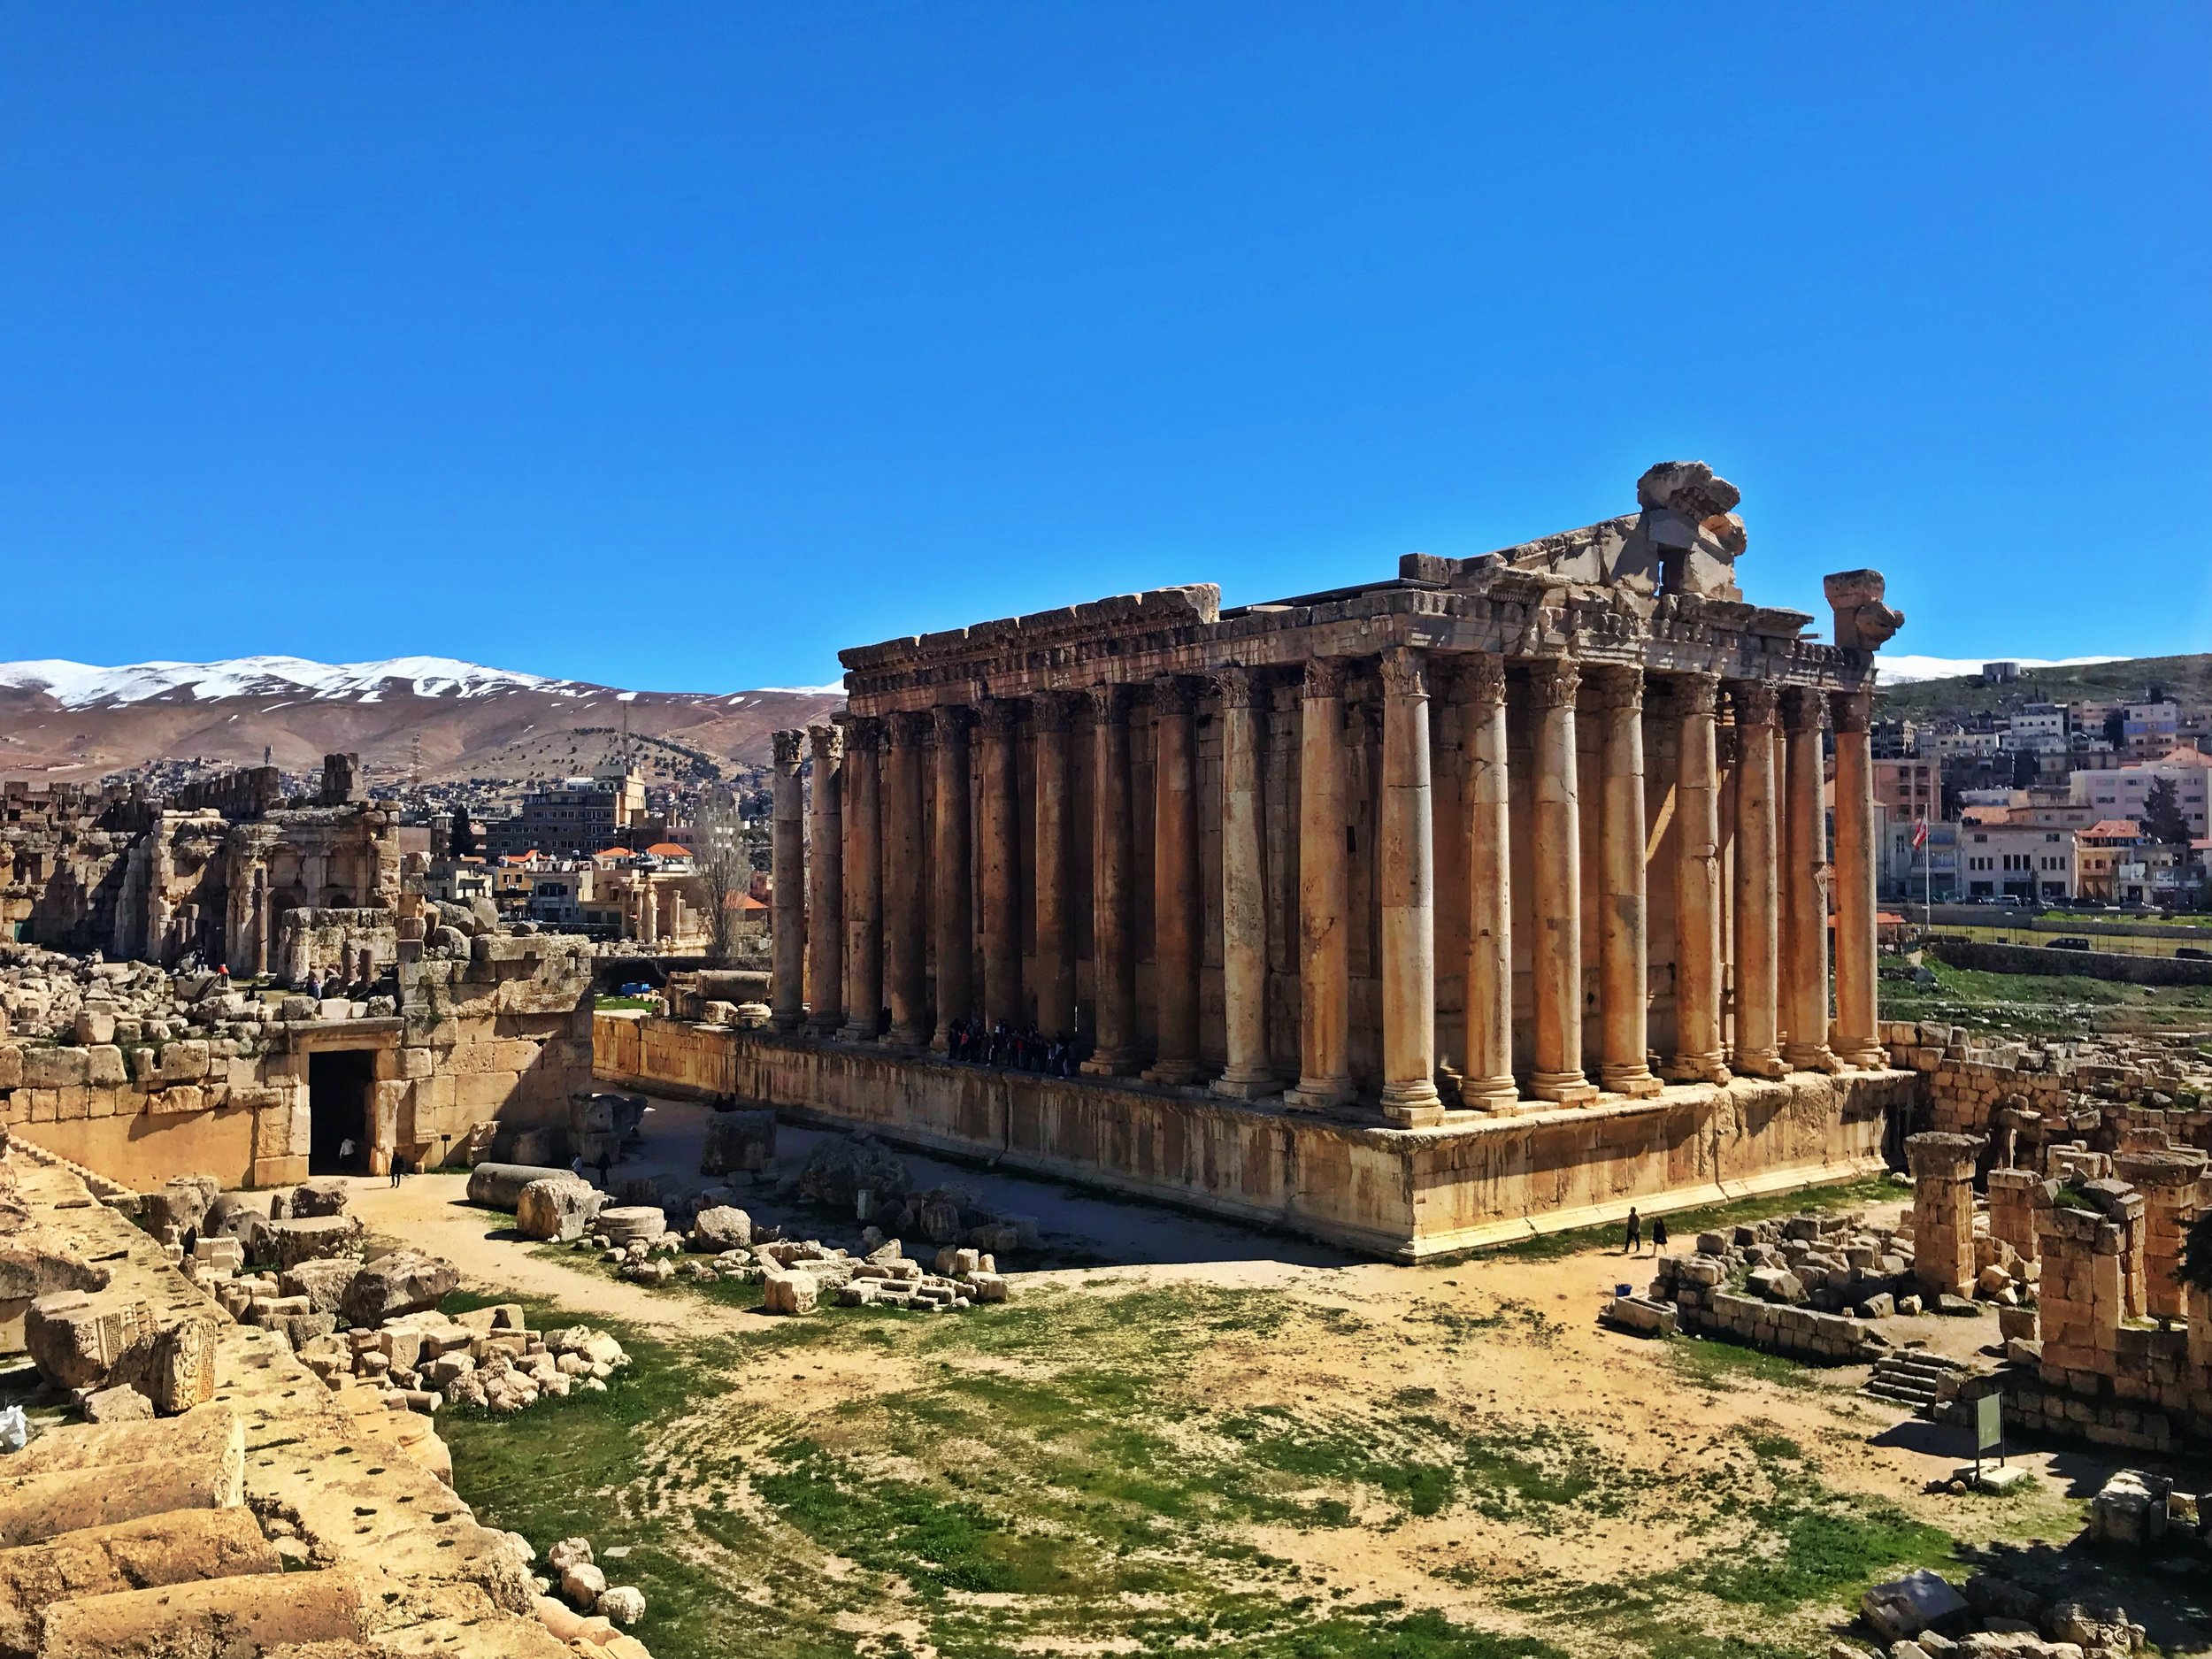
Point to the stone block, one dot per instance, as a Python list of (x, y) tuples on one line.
[(739, 1142), (558, 1209)]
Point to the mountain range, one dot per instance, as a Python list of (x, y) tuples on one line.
[(75, 721)]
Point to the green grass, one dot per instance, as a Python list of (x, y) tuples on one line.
[(2037, 1004), (603, 1004), (1720, 1367)]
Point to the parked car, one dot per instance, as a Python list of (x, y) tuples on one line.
[(2069, 943)]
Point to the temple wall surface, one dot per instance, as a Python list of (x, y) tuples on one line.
[(1406, 1193)]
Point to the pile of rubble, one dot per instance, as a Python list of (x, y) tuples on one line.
[(84, 1001), (703, 1236), (1924, 1615), (301, 1275), (583, 1581)]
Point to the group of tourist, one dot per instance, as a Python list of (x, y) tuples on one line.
[(1025, 1050)]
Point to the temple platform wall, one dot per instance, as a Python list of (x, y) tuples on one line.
[(1404, 1194)]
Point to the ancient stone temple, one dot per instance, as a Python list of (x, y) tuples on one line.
[(1498, 838)]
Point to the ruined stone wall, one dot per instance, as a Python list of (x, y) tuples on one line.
[(498, 1041), (1399, 1193)]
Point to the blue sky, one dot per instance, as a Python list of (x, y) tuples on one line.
[(678, 347)]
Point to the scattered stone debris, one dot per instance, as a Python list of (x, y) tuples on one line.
[(1924, 1615)]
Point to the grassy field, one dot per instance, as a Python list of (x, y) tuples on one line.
[(1054, 1474), (2185, 678), (2047, 1004)]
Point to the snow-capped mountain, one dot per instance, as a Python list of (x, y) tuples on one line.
[(82, 685), (64, 719)]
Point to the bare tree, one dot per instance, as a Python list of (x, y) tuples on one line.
[(724, 870)]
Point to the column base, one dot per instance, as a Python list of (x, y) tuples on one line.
[(1173, 1073), (1767, 1064), (1489, 1093), (785, 1023), (857, 1031), (825, 1024), (1412, 1105), (1636, 1081), (1697, 1068), (1319, 1094), (1562, 1089), (1256, 1086), (911, 1037), (1112, 1063), (1870, 1056), (1812, 1057)]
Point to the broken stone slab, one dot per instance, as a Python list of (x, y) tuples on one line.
[(721, 1227), (89, 1475), (324, 1197), (558, 1209), (1920, 1601), (1777, 1284), (322, 1282), (789, 1292), (98, 1340), (400, 1283), (738, 1142), (2129, 1508), (286, 1243), (281, 1609), (181, 1547), (119, 1404)]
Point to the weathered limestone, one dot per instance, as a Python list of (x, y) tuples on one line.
[(1055, 836), (825, 884), (1943, 1211), (559, 1209), (953, 898), (182, 1546), (2169, 1186), (788, 874), (1176, 903), (1557, 835), (1758, 933), (1857, 1031), (864, 880), (1805, 906), (1487, 1081), (1698, 960), (904, 870), (1623, 947), (1324, 972), (1243, 889), (2016, 1199), (1113, 889), (1002, 866), (1408, 890)]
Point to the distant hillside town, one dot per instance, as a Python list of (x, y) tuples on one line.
[(1999, 789)]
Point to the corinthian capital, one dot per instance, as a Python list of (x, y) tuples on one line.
[(1553, 681), (1405, 672)]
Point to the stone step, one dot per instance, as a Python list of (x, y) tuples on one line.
[(1880, 1390)]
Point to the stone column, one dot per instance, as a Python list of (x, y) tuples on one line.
[(905, 949), (825, 886), (1553, 683), (1406, 888), (1804, 898), (259, 966), (1177, 904), (1244, 697), (1054, 861), (1114, 1051), (2081, 1297), (1758, 943), (788, 869), (1623, 1000), (1699, 1056), (1325, 980), (864, 880), (2168, 1184), (1943, 1211), (1001, 868), (952, 872), (1488, 1083), (1858, 1032)]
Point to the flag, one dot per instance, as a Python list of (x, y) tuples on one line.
[(1920, 833)]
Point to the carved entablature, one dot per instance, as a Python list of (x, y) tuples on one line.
[(1579, 594)]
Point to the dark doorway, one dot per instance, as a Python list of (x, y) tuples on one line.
[(338, 1088)]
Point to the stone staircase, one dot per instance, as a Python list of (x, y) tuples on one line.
[(1926, 1382)]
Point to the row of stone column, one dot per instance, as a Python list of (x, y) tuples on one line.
[(864, 885)]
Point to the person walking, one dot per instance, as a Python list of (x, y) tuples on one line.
[(1633, 1238), (1658, 1234)]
